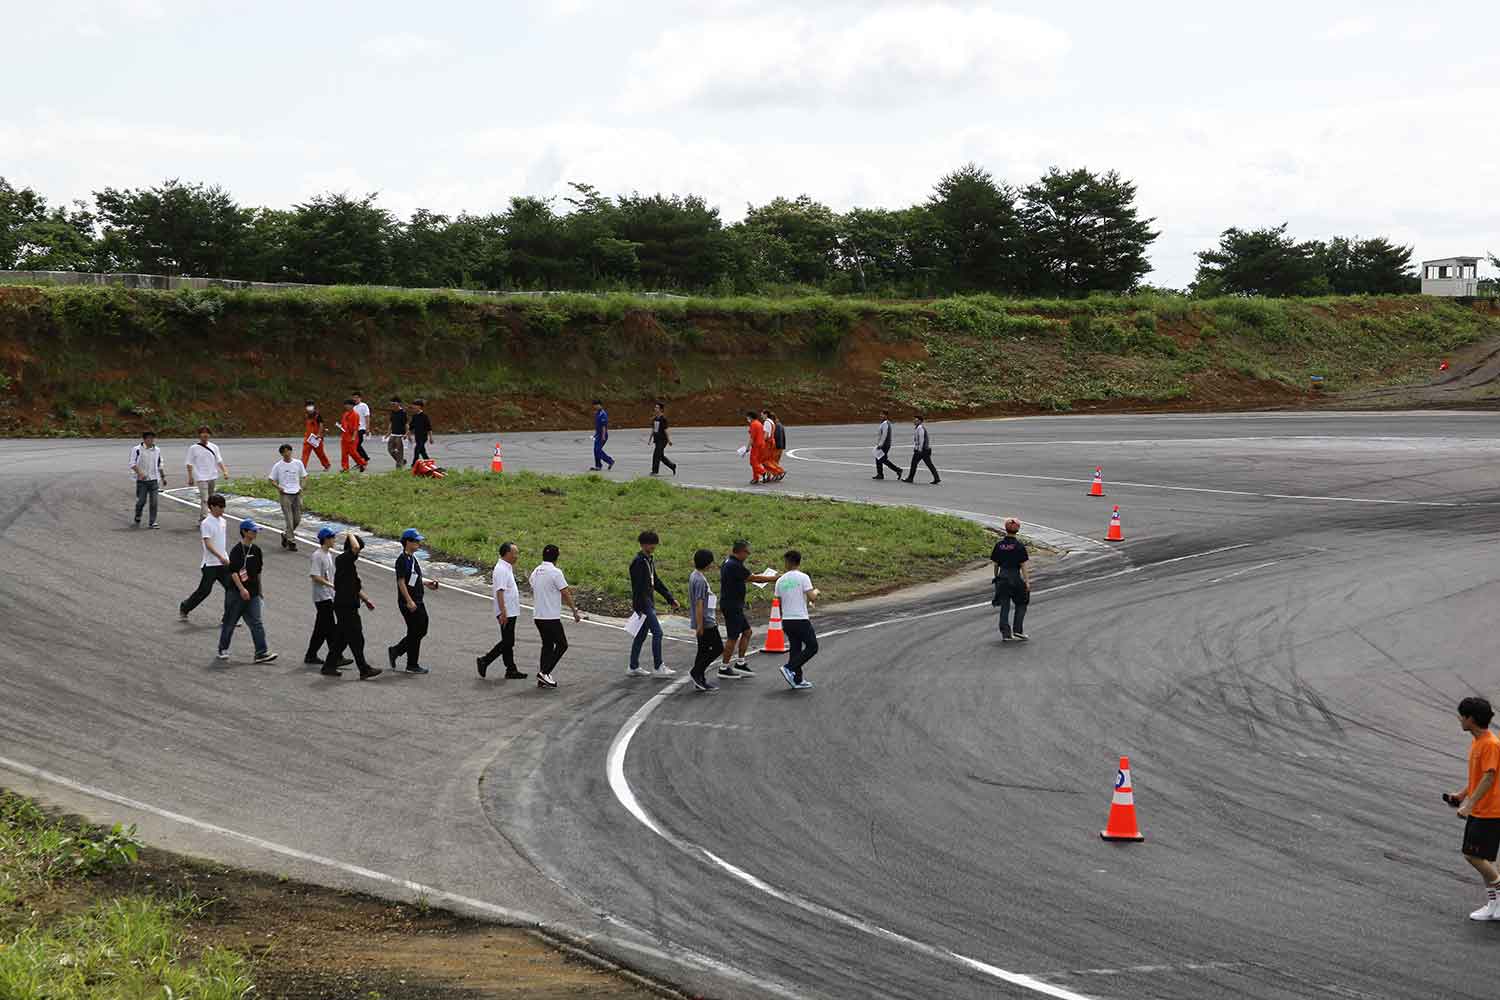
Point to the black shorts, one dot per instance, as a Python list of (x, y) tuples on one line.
[(1481, 838), (735, 622)]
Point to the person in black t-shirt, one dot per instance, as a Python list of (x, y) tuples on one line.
[(242, 598), (395, 443), (348, 595), (660, 439), (409, 584), (421, 429), (733, 575), (1012, 581)]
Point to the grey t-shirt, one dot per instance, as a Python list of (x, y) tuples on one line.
[(698, 591), (322, 565)]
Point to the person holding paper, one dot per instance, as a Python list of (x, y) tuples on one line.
[(409, 584), (312, 434), (733, 575), (643, 581), (883, 448)]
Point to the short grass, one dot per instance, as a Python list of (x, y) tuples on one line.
[(64, 937), (850, 550)]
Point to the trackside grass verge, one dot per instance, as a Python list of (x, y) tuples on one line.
[(851, 550), (103, 945), (88, 913)]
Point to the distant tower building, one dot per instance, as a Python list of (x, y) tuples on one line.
[(1451, 276)]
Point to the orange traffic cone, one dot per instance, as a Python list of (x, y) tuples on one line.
[(1114, 534), (1097, 490), (775, 637), (1122, 824), (497, 464)]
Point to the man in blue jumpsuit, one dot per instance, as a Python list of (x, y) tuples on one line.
[(601, 435)]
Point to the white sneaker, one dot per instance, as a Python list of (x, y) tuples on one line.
[(1489, 911), (637, 672), (663, 671), (222, 654)]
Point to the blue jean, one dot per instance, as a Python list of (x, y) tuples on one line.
[(654, 627), (235, 608), (600, 458)]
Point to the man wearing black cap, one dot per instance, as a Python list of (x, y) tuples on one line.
[(409, 584), (243, 597)]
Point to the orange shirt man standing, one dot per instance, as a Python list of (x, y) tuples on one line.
[(1479, 803)]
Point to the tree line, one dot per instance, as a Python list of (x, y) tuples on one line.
[(1069, 233)]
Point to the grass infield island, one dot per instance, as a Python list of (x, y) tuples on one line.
[(849, 549)]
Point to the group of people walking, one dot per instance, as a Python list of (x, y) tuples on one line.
[(414, 427), (921, 449)]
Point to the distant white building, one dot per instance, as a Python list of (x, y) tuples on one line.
[(1451, 276)]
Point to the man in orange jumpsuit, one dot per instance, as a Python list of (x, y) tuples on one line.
[(349, 438), (312, 433), (757, 447)]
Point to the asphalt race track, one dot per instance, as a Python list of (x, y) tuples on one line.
[(1278, 645)]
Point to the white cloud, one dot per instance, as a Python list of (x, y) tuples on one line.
[(400, 48), (882, 56), (1351, 27)]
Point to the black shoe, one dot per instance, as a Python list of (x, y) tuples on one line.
[(390, 654), (516, 675), (674, 470), (331, 672), (417, 668), (877, 477), (291, 546), (344, 661), (266, 657), (935, 482), (482, 664), (312, 661), (366, 674), (137, 522)]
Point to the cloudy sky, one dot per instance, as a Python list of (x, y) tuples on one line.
[(1372, 118)]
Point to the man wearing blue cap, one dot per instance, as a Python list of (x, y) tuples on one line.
[(409, 584), (243, 597), (325, 628)]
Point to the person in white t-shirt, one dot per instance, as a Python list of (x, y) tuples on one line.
[(289, 474), (363, 409), (795, 591), (549, 592), (205, 466), (213, 567), (506, 600)]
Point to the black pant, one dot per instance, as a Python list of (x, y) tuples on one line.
[(925, 455), (325, 629), (710, 648), (1011, 590), (554, 643), (419, 449), (359, 447), (884, 462), (506, 647), (208, 576), (410, 645), (803, 642), (349, 634), (659, 458)]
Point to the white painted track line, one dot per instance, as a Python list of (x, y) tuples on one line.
[(797, 453), (620, 785)]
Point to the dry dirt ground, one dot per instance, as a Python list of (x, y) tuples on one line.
[(308, 942)]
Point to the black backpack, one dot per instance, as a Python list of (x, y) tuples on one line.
[(779, 435)]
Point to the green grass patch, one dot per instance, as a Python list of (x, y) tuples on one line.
[(850, 549), (116, 947)]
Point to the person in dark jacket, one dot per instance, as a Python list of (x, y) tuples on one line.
[(348, 595), (661, 439), (644, 583), (1012, 581), (883, 448)]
